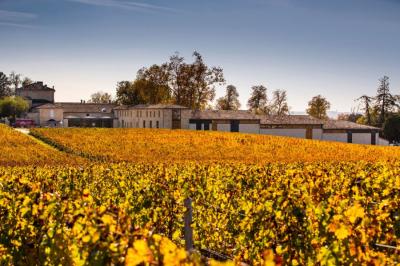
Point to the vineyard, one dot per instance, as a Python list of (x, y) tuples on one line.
[(146, 145), (18, 149), (269, 201)]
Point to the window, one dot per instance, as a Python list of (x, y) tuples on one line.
[(137, 113), (159, 113), (151, 124), (157, 124), (51, 113), (144, 123), (147, 114)]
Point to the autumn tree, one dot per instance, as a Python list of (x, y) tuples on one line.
[(5, 83), (100, 97), (258, 102), (191, 85), (201, 81), (177, 71), (279, 105), (318, 107), (126, 94), (384, 100), (230, 101)]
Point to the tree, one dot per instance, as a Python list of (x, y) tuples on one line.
[(352, 117), (201, 81), (13, 107), (150, 92), (384, 100), (191, 85), (26, 81), (4, 86), (100, 97), (318, 107), (367, 103), (230, 101), (142, 91), (258, 102), (126, 94), (15, 80), (177, 77), (279, 104), (391, 129)]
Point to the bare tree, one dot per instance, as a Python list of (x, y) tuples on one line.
[(366, 101), (15, 80), (100, 97), (384, 100), (279, 104)]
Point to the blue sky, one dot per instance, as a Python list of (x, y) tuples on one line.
[(337, 48)]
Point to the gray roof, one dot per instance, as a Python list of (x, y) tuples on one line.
[(80, 107), (224, 115), (290, 120), (342, 124), (151, 106)]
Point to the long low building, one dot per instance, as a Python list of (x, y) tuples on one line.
[(298, 126), (47, 113)]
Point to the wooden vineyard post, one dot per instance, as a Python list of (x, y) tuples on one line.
[(188, 225)]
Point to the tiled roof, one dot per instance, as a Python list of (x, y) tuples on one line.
[(80, 107), (290, 120), (341, 124), (151, 106), (224, 115)]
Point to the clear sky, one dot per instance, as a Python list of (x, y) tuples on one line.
[(337, 48)]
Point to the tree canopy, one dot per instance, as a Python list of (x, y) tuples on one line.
[(318, 107), (230, 101), (188, 84), (391, 129), (12, 107), (258, 101)]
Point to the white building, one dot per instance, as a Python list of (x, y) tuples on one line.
[(298, 126)]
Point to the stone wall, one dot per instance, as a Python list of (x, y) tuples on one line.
[(45, 115)]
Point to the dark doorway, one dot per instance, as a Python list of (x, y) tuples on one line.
[(235, 126)]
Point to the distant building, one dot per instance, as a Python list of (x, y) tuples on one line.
[(152, 116), (299, 126), (36, 94), (47, 113), (74, 115)]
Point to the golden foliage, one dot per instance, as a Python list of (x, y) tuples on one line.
[(16, 149), (277, 214), (146, 145)]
